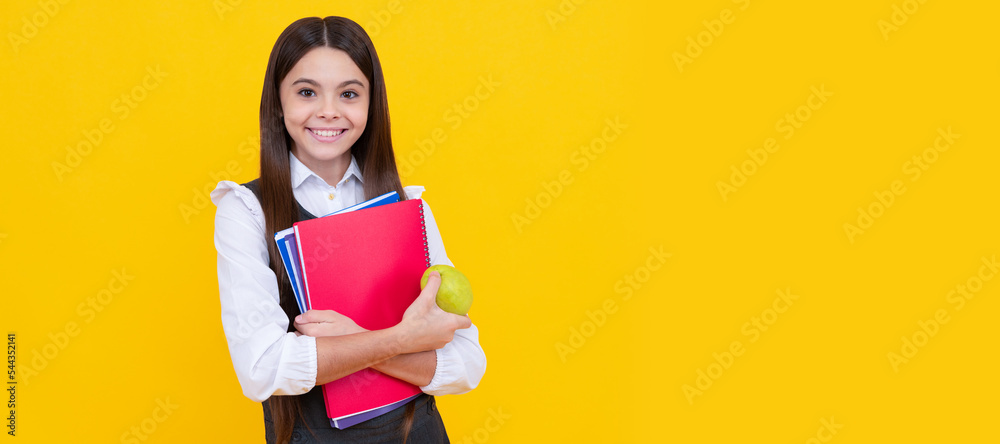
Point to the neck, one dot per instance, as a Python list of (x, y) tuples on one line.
[(331, 171)]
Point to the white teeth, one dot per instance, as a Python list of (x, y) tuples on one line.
[(327, 133)]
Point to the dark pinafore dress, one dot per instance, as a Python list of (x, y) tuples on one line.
[(427, 424)]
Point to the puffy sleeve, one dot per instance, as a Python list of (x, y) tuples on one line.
[(267, 358), (461, 363)]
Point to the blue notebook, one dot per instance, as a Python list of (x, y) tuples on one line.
[(289, 251)]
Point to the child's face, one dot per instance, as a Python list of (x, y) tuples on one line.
[(324, 99)]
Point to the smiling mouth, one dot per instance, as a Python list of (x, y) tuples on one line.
[(327, 133)]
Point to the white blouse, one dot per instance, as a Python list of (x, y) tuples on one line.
[(267, 358)]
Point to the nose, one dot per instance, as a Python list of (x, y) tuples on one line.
[(328, 109)]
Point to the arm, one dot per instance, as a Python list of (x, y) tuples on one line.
[(455, 368), (266, 358), (339, 356), (424, 327), (415, 368)]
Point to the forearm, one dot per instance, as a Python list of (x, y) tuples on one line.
[(415, 368), (339, 356), (424, 327)]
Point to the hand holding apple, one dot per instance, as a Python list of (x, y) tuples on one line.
[(455, 293), (424, 325)]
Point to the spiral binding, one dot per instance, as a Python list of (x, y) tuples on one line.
[(423, 230)]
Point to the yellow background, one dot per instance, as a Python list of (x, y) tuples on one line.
[(563, 68)]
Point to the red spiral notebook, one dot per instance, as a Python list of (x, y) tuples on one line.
[(366, 265)]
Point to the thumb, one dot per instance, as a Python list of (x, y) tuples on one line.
[(304, 318), (429, 292)]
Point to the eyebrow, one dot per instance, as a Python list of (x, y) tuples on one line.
[(316, 84)]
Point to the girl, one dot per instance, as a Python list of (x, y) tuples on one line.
[(325, 145)]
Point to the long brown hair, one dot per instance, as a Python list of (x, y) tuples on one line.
[(373, 152)]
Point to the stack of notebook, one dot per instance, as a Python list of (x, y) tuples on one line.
[(364, 262)]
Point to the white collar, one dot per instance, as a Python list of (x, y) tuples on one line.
[(300, 172)]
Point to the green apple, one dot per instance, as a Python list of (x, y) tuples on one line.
[(455, 294)]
